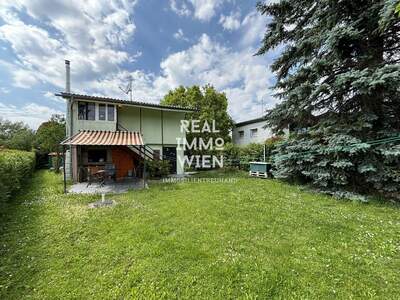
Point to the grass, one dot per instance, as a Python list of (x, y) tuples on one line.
[(251, 239)]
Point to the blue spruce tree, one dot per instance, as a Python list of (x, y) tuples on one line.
[(339, 81)]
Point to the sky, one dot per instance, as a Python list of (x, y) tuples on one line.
[(161, 44)]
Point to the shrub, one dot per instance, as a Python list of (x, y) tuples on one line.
[(231, 155), (271, 144), (15, 167), (235, 156), (252, 152), (157, 168)]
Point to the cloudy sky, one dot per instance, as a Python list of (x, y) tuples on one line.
[(160, 43)]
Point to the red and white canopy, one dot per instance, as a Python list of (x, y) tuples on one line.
[(105, 138)]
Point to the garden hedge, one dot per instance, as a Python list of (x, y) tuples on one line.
[(240, 156), (15, 167)]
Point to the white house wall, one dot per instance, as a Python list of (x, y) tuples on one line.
[(262, 134)]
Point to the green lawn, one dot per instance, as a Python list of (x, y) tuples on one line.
[(252, 239)]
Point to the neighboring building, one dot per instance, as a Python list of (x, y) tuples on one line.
[(251, 131), (104, 132)]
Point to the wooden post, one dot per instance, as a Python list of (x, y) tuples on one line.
[(65, 175), (264, 151), (144, 166)]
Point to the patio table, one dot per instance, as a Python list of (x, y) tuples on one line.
[(97, 176)]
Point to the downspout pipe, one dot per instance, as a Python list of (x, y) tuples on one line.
[(70, 128)]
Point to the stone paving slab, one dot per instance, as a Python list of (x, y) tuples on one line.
[(108, 188)]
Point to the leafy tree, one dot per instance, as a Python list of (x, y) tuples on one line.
[(338, 77), (211, 106), (16, 135), (49, 135)]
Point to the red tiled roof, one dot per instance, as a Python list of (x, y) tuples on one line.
[(105, 138)]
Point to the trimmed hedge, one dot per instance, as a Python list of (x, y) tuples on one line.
[(15, 167)]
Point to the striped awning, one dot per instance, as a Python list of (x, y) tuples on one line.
[(104, 138)]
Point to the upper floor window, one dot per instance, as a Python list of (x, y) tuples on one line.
[(86, 111), (241, 133), (102, 112), (110, 113), (253, 132)]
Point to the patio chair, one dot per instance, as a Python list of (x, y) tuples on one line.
[(95, 174), (111, 172)]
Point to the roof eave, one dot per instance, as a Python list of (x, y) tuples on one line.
[(252, 121), (125, 102)]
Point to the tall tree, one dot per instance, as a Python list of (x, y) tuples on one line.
[(338, 76), (212, 106), (49, 135), (16, 135)]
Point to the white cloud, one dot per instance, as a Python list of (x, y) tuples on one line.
[(244, 78), (32, 114), (254, 27), (49, 95), (86, 23), (179, 35), (4, 90), (203, 10), (180, 9), (42, 58), (24, 78), (143, 88), (28, 39), (187, 67), (89, 33), (231, 22)]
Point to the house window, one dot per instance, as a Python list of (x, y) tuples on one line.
[(156, 154), (82, 110), (97, 156), (110, 112), (86, 111), (91, 111), (241, 133), (102, 112), (253, 132)]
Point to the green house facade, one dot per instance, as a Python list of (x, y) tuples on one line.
[(157, 125)]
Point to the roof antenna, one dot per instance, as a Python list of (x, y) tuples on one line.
[(128, 89)]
